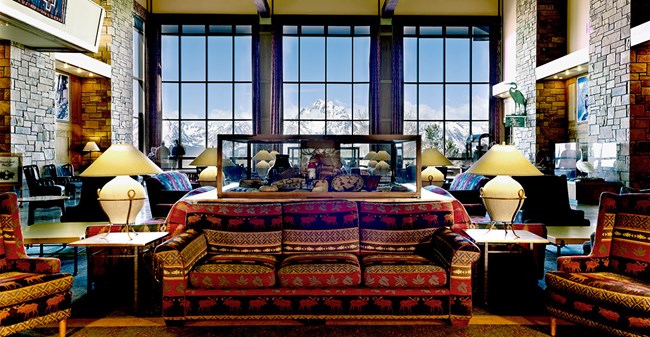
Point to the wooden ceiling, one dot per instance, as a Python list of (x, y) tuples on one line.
[(268, 8)]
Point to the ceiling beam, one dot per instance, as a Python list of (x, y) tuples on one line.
[(263, 8), (388, 9)]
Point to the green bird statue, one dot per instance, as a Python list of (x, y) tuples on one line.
[(518, 97)]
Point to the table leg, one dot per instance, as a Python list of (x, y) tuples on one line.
[(76, 255), (136, 254), (30, 213), (485, 273)]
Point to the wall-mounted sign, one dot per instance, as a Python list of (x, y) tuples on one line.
[(53, 9)]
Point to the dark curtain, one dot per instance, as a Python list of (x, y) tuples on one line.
[(257, 112), (397, 106), (375, 71), (276, 87)]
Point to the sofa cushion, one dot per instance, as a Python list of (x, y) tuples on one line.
[(401, 227), (174, 180), (239, 228), (320, 270), (228, 271), (468, 181), (401, 271), (17, 287), (317, 226), (629, 252)]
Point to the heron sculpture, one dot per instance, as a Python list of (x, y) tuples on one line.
[(584, 166), (518, 97)]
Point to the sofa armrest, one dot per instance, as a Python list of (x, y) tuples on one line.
[(582, 264), (176, 257), (41, 265)]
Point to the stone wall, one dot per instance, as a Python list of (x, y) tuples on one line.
[(96, 111), (552, 121), (524, 137), (5, 96), (32, 105), (609, 76), (551, 30), (640, 115)]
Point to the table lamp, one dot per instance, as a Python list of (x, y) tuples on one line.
[(262, 167), (207, 159), (431, 158), (502, 195), (121, 198), (91, 147), (369, 157)]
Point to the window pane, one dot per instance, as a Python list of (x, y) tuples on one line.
[(290, 58), (310, 30), (456, 134), (243, 63), (219, 58), (410, 59), (290, 128), (361, 59), (169, 29), (312, 127), (361, 99), (457, 64), (192, 58), (431, 60), (457, 30), (170, 100), (481, 61), (431, 101), (338, 30), (138, 41), (220, 29), (193, 29), (290, 101), (411, 128), (243, 128), (169, 132), (312, 102), (432, 134), (480, 127), (480, 101), (339, 128), (339, 101), (431, 31), (410, 101), (339, 56), (169, 58), (361, 128), (193, 101), (219, 128), (457, 101), (193, 137), (243, 101), (312, 59), (220, 101)]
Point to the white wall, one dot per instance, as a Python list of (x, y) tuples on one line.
[(509, 40), (577, 25)]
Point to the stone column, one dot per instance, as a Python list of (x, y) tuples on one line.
[(640, 116)]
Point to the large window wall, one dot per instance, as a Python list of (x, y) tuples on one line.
[(207, 83), (446, 85), (325, 79), (138, 80)]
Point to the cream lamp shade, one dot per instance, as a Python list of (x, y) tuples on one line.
[(382, 168), (91, 147), (381, 155), (273, 153), (121, 198), (207, 159), (263, 155), (431, 175), (502, 195), (369, 155), (262, 168)]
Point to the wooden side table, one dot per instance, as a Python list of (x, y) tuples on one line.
[(485, 237), (138, 243)]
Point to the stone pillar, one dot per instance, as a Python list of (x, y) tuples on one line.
[(552, 121), (525, 137), (5, 96), (96, 112), (609, 77), (551, 30), (640, 116)]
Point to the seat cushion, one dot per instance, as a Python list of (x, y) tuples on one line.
[(602, 295), (468, 181), (174, 180), (401, 271), (326, 270), (228, 271), (17, 287), (318, 226)]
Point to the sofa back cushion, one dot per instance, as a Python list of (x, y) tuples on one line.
[(238, 228), (468, 181), (630, 245), (173, 180), (401, 227), (320, 226)]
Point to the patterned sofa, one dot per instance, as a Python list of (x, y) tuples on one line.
[(329, 259), (610, 288), (32, 291)]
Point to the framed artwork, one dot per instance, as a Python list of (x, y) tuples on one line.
[(582, 99), (53, 9), (62, 98), (11, 169)]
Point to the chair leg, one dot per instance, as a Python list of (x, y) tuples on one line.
[(62, 327), (553, 325)]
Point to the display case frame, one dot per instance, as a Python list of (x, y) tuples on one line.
[(402, 180)]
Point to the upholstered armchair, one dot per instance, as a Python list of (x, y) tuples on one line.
[(466, 187), (164, 189), (32, 290), (38, 185), (608, 289)]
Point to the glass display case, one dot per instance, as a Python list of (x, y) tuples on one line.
[(288, 166)]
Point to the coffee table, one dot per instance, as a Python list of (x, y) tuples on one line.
[(137, 243), (485, 237), (43, 201), (560, 236)]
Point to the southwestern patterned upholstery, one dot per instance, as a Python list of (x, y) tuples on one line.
[(316, 268), (32, 291), (610, 288)]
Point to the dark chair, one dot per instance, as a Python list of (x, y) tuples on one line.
[(88, 208), (38, 185), (64, 175)]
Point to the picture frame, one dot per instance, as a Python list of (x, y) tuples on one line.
[(62, 98), (11, 169), (582, 99), (53, 9)]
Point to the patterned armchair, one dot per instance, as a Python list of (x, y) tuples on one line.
[(610, 288), (32, 291)]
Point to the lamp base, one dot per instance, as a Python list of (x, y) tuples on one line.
[(506, 225)]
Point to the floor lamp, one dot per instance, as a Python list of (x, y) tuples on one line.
[(91, 147)]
